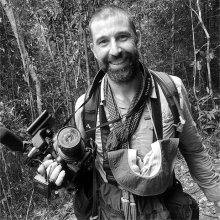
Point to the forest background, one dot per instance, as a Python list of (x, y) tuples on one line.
[(46, 64)]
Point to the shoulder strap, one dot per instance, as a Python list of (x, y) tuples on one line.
[(157, 115), (168, 87), (90, 112), (170, 91)]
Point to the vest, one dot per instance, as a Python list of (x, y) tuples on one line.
[(92, 107)]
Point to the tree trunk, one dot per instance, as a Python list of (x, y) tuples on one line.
[(86, 57), (172, 37), (199, 15), (194, 51), (27, 64)]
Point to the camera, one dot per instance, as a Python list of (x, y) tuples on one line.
[(70, 150)]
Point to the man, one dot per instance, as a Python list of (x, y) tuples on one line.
[(132, 158)]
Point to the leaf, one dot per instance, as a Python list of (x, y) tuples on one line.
[(205, 132), (202, 53), (2, 49), (199, 65), (207, 89), (202, 200), (13, 153), (209, 127), (212, 114), (212, 55), (209, 116), (191, 185), (68, 205), (192, 63), (3, 200), (41, 212)]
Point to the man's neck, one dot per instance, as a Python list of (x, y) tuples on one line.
[(125, 91)]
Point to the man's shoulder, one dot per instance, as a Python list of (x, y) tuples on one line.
[(164, 80), (176, 80), (80, 101)]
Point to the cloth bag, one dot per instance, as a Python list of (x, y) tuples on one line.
[(149, 177)]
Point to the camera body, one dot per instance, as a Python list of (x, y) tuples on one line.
[(70, 150)]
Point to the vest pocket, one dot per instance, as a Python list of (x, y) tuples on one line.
[(110, 203)]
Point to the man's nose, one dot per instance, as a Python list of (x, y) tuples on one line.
[(115, 49)]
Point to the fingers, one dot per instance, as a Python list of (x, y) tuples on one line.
[(60, 178), (55, 173), (51, 170), (46, 162), (55, 143), (48, 157), (43, 167)]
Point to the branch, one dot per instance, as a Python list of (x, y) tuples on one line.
[(200, 19), (29, 204), (195, 12), (6, 199), (201, 47)]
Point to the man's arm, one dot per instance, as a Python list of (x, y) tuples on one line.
[(198, 160)]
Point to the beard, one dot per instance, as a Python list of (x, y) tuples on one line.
[(125, 74)]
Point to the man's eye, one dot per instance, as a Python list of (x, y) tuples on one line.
[(103, 42), (123, 37)]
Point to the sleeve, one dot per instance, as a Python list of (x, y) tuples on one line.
[(198, 160)]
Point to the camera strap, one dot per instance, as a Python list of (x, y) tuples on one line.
[(92, 101), (89, 94), (92, 98)]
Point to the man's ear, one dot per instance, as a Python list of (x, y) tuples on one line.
[(92, 49), (138, 35)]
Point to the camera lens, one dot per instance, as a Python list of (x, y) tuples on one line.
[(69, 137), (70, 144)]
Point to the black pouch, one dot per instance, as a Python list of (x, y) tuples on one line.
[(110, 202), (83, 197), (180, 204)]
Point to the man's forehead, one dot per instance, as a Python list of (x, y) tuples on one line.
[(104, 21)]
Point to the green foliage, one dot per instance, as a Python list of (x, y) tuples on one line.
[(209, 116), (209, 120)]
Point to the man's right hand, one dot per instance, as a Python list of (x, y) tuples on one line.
[(51, 170)]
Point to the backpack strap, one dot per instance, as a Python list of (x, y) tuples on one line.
[(90, 112), (157, 116), (168, 87), (170, 91)]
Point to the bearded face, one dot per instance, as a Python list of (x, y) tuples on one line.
[(115, 47), (120, 68)]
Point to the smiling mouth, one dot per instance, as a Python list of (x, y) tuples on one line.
[(118, 63)]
